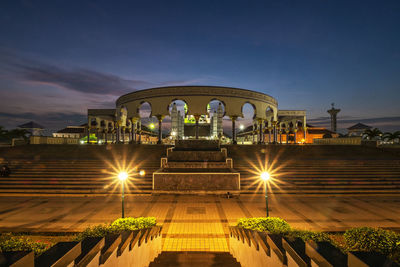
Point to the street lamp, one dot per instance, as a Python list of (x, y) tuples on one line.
[(122, 176), (265, 176)]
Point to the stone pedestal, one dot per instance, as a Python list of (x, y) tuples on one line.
[(196, 167)]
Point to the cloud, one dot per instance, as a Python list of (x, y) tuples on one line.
[(76, 79)]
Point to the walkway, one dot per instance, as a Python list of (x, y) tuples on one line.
[(198, 223)]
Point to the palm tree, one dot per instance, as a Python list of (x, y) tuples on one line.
[(372, 134), (391, 136)]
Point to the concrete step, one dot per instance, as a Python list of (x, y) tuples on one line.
[(195, 259)]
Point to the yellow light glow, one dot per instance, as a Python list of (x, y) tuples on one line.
[(265, 176), (142, 173), (123, 176), (152, 126)]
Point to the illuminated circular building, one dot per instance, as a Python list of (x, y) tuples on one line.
[(195, 112)]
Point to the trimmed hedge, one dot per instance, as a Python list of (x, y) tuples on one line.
[(355, 239), (10, 242), (117, 226), (271, 225), (372, 239)]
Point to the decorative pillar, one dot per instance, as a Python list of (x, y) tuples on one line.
[(97, 135), (139, 131), (197, 118), (260, 140), (88, 135), (295, 136), (287, 136), (254, 131), (134, 126), (275, 136), (269, 134), (105, 136), (233, 118), (305, 134), (159, 118)]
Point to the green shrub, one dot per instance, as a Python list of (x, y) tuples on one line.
[(117, 226), (372, 239), (131, 224), (307, 235), (271, 225), (9, 242)]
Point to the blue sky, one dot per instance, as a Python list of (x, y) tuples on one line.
[(59, 58)]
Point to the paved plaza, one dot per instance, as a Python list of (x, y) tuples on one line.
[(198, 222)]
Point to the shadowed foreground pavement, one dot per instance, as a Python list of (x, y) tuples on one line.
[(198, 223)]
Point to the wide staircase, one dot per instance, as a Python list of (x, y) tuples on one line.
[(195, 259), (86, 170), (319, 169)]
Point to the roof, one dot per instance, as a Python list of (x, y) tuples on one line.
[(31, 125), (359, 126), (72, 130), (319, 131)]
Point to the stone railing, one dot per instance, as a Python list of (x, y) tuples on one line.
[(254, 249), (47, 140), (356, 140), (130, 248)]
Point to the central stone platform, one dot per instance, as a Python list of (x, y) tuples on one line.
[(196, 166)]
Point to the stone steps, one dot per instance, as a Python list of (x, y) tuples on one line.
[(195, 259)]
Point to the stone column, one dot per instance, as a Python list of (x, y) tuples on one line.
[(275, 136), (305, 134), (269, 134), (159, 118), (88, 135), (197, 118), (287, 136), (123, 130), (106, 136), (97, 135), (254, 131), (130, 135), (139, 131), (134, 126), (295, 136), (233, 118), (260, 140)]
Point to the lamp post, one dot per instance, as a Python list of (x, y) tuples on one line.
[(122, 176), (265, 176)]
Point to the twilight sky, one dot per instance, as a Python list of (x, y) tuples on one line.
[(59, 58)]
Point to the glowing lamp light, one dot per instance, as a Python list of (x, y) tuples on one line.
[(152, 126), (265, 176), (122, 176), (241, 127), (142, 173)]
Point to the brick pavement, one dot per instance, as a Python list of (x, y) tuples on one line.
[(198, 223)]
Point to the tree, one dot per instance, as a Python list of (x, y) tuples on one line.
[(372, 134), (392, 137), (17, 133)]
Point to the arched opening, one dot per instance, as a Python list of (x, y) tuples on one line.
[(215, 118), (148, 124), (177, 110), (246, 133)]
